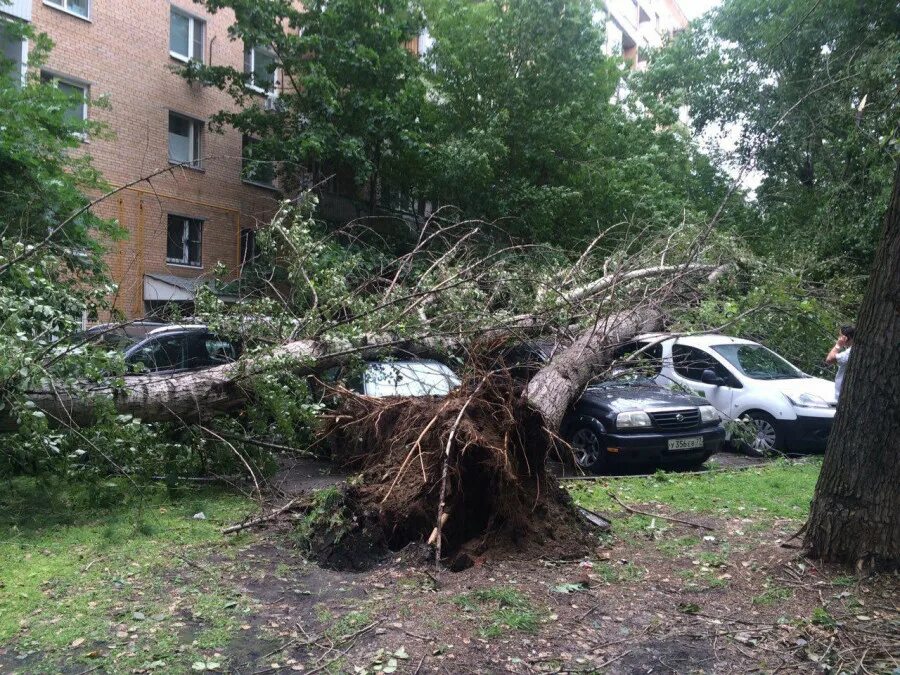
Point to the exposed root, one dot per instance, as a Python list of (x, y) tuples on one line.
[(482, 453)]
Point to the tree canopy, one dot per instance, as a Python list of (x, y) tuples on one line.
[(811, 90), (511, 114)]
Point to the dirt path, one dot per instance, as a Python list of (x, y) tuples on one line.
[(636, 607)]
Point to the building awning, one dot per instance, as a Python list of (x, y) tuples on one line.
[(171, 288)]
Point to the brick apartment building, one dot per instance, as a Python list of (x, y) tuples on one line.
[(633, 26), (183, 223)]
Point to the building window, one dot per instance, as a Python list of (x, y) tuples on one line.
[(78, 92), (13, 52), (185, 141), (248, 246), (186, 34), (255, 168), (260, 65), (80, 8), (183, 240)]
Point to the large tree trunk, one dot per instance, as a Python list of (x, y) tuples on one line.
[(202, 393), (855, 514), (553, 389)]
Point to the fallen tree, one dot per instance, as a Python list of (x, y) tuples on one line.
[(468, 472), (196, 395), (461, 472)]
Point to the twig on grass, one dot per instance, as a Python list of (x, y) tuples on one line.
[(350, 639), (631, 509), (262, 519), (614, 659)]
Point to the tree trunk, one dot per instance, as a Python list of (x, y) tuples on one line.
[(855, 517), (553, 389), (201, 393)]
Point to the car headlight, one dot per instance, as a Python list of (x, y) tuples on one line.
[(633, 420), (708, 413), (808, 401)]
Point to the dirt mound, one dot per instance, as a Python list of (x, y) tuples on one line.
[(473, 461)]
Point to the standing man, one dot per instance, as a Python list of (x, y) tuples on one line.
[(840, 354)]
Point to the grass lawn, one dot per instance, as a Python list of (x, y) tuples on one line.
[(95, 573), (115, 578), (779, 490)]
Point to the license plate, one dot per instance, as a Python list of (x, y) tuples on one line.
[(685, 443)]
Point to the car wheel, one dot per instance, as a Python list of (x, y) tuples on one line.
[(767, 438), (588, 446)]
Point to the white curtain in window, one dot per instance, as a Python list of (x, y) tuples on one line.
[(78, 7), (179, 139)]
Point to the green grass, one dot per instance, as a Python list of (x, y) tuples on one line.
[(78, 560), (500, 609), (614, 573), (348, 624), (677, 547), (773, 595), (780, 490)]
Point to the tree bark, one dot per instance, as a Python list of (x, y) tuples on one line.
[(200, 394), (855, 516), (553, 389)]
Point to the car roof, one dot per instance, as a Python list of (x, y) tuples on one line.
[(407, 362), (176, 327), (704, 340)]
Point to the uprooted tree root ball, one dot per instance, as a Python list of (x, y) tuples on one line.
[(482, 447)]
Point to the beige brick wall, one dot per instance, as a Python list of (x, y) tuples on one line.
[(123, 54)]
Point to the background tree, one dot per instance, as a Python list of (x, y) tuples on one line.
[(810, 91), (855, 515), (51, 266), (524, 129), (351, 88)]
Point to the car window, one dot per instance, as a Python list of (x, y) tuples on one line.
[(409, 378), (164, 353), (219, 351), (690, 363), (646, 363), (758, 363)]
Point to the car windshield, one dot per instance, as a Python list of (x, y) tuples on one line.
[(758, 363), (409, 378), (627, 379)]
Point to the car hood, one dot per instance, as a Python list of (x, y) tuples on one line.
[(629, 397), (800, 385)]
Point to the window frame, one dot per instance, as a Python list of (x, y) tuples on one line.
[(193, 20), (246, 142), (56, 79), (185, 260), (21, 61), (63, 6), (196, 141), (251, 51)]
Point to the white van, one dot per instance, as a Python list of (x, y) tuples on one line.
[(789, 409)]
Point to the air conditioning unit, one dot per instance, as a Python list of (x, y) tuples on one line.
[(273, 103)]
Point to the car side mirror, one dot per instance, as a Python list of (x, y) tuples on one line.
[(709, 377)]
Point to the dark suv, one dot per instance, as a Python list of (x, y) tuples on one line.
[(628, 419), (169, 348)]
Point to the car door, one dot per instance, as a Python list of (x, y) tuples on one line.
[(688, 365)]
